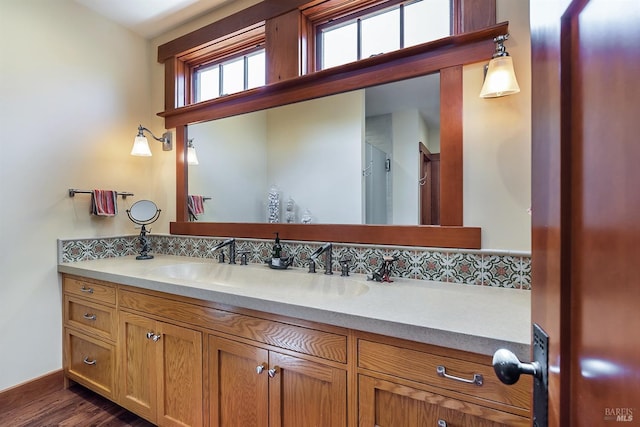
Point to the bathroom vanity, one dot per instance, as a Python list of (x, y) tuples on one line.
[(187, 341)]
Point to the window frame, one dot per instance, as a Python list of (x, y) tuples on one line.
[(234, 45), (343, 12), (357, 15), (242, 52)]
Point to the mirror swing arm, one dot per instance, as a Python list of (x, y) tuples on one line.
[(446, 56)]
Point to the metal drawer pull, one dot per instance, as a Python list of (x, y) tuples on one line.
[(442, 371), (260, 369), (86, 361), (272, 372), (153, 336), (442, 423), (85, 289), (89, 316)]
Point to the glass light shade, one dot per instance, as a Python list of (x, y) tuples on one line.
[(500, 79), (141, 147), (192, 157)]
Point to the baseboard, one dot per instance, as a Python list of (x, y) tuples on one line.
[(31, 390)]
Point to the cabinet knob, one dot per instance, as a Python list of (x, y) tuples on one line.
[(272, 372), (442, 423), (260, 369), (153, 336), (85, 289), (89, 316), (89, 362), (508, 368)]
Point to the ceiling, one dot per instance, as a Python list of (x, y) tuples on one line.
[(150, 18)]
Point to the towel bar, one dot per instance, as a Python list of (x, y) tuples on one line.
[(73, 191)]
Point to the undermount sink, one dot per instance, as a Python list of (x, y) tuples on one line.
[(289, 282)]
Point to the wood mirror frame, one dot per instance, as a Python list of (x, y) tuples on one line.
[(446, 56)]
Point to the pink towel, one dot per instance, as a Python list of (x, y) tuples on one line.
[(104, 202), (195, 205)]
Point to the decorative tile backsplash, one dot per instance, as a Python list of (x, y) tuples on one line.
[(473, 267)]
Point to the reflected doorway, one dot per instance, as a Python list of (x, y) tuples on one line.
[(429, 186)]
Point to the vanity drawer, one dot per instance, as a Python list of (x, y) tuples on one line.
[(323, 344), (94, 319), (90, 362), (423, 367), (93, 290)]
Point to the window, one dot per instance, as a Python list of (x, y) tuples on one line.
[(374, 31), (232, 75)]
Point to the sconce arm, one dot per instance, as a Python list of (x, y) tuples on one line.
[(166, 139)]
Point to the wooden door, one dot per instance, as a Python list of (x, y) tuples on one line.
[(304, 393), (386, 404), (429, 183), (238, 384), (586, 206), (179, 370), (137, 365)]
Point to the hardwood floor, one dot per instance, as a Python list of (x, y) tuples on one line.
[(73, 407)]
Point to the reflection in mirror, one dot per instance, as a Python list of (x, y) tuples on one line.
[(351, 158)]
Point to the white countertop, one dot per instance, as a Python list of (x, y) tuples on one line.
[(479, 319)]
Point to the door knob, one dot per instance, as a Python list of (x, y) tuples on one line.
[(508, 368)]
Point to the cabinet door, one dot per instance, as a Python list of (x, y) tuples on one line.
[(179, 370), (238, 384), (137, 365), (304, 393), (385, 404)]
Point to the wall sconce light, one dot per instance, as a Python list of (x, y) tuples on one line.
[(499, 77), (192, 156), (141, 145)]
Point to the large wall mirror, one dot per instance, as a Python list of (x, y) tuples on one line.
[(249, 142), (352, 158)]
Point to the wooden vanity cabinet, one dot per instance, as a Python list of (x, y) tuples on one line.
[(251, 386), (178, 361), (405, 384), (303, 367), (90, 329), (160, 371)]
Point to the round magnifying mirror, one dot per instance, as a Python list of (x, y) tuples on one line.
[(143, 212)]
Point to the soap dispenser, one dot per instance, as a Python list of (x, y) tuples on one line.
[(277, 252)]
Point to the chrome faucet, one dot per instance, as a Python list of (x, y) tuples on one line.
[(328, 258), (232, 250)]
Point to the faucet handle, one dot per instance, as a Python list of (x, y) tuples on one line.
[(344, 264), (221, 257), (243, 257), (312, 265)]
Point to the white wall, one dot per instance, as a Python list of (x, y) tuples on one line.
[(319, 166), (497, 144), (73, 87)]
